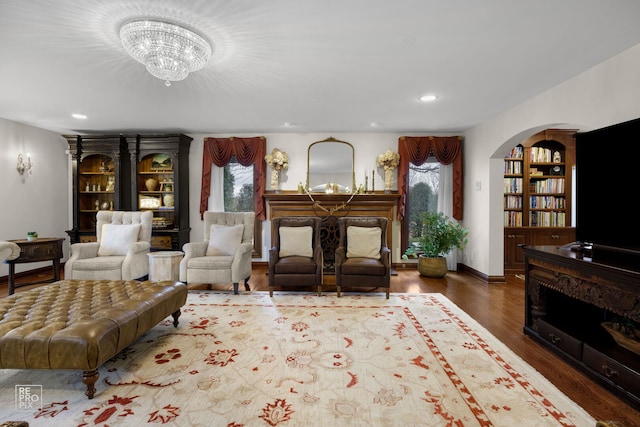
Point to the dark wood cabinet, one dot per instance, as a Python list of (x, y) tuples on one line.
[(160, 183), (537, 194), (568, 297), (516, 237), (115, 172), (100, 170), (552, 236)]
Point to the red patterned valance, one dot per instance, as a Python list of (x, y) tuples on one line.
[(416, 150), (248, 151)]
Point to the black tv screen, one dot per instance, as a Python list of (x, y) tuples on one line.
[(607, 175)]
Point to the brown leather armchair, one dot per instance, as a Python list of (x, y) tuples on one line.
[(295, 258), (362, 257)]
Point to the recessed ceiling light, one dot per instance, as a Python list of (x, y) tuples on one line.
[(288, 125), (428, 98), (79, 116), (374, 124)]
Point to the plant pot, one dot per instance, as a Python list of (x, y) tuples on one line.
[(432, 267)]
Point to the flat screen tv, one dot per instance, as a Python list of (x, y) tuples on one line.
[(607, 178)]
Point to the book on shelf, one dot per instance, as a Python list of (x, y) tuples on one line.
[(541, 155), (549, 185), (159, 222), (516, 152), (513, 185), (512, 219), (512, 167), (547, 202), (547, 219), (513, 202)]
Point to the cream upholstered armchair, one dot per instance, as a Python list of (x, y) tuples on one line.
[(362, 257), (120, 252), (9, 250), (225, 254)]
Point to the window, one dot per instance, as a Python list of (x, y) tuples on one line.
[(238, 187), (422, 195), (218, 152), (445, 182)]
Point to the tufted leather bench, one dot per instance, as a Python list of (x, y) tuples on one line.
[(80, 324)]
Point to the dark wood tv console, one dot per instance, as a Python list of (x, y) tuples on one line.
[(568, 296)]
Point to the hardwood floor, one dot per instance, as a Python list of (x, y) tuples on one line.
[(497, 307)]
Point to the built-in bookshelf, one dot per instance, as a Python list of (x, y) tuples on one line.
[(513, 187), (537, 193), (547, 191)]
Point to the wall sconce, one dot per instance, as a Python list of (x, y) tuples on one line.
[(23, 167)]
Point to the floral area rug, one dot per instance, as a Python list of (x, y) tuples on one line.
[(296, 359)]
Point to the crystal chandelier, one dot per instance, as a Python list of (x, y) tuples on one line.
[(169, 52)]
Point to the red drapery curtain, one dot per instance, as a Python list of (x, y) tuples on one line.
[(416, 150), (248, 151)]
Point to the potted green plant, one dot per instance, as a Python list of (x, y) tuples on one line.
[(439, 235)]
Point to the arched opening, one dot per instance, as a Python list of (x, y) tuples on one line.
[(537, 195)]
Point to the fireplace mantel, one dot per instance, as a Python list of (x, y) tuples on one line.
[(329, 208)]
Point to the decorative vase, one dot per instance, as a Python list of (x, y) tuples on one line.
[(275, 179), (432, 267), (168, 199), (151, 184), (388, 180)]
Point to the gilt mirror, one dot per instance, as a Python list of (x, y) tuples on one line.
[(330, 167)]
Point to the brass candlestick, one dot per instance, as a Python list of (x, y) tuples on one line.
[(373, 180)]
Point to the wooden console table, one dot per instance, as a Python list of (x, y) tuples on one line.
[(568, 296), (43, 249), (294, 204)]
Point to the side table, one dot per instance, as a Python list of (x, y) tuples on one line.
[(165, 265), (41, 249)]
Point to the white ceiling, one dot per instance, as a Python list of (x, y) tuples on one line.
[(322, 65)]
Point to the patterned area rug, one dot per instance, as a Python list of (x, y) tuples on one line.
[(301, 360)]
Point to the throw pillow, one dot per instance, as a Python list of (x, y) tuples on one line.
[(116, 238), (296, 241), (224, 239), (363, 242)]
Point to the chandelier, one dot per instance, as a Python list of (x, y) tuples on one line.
[(169, 52)]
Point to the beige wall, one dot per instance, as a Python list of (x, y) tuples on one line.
[(37, 201)]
